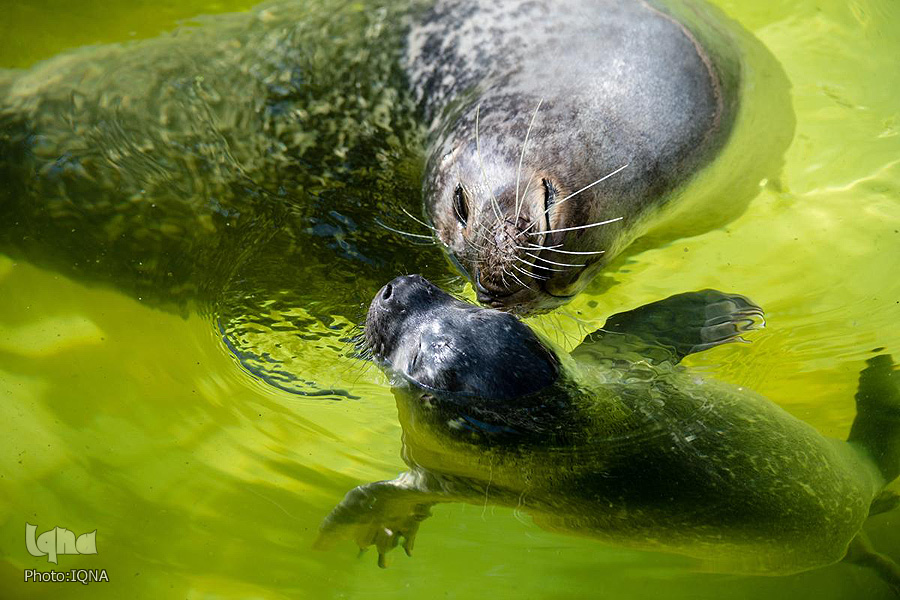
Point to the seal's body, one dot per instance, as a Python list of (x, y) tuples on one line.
[(530, 103), (616, 441)]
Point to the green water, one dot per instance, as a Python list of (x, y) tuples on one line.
[(205, 482)]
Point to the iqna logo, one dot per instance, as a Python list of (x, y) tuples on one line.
[(59, 540)]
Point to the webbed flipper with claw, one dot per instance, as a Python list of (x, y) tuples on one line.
[(679, 325), (384, 514)]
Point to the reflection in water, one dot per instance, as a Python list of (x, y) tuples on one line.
[(615, 441)]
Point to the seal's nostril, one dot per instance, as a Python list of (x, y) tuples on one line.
[(387, 292)]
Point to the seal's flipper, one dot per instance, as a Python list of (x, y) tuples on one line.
[(884, 502), (379, 514), (682, 324), (877, 424), (862, 553)]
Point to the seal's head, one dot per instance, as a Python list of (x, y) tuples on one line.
[(529, 223), (453, 349)]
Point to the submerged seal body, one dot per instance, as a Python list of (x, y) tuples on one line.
[(616, 441), (559, 130)]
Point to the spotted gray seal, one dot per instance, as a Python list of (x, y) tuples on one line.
[(615, 440), (562, 131)]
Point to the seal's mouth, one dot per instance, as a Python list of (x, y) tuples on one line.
[(441, 344), (525, 301)]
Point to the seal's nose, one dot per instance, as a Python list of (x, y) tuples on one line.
[(484, 295), (400, 291)]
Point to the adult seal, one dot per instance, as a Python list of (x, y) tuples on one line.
[(562, 131), (615, 440), (165, 165)]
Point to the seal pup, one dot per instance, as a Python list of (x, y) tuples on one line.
[(615, 440), (562, 131)]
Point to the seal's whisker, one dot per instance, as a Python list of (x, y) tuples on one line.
[(473, 245), (529, 228), (554, 249), (607, 222), (524, 272), (413, 235), (572, 195), (540, 258), (524, 285), (530, 264), (417, 220), (494, 202), (522, 158), (538, 247), (482, 233)]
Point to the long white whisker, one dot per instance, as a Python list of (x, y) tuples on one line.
[(524, 285), (607, 222), (524, 272), (537, 247), (419, 221), (554, 249), (521, 159), (536, 257), (494, 202), (415, 235), (578, 252), (522, 260), (527, 229), (572, 195)]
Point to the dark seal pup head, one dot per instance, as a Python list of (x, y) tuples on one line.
[(452, 348)]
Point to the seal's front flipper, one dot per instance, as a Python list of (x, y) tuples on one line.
[(379, 514), (681, 324), (877, 424)]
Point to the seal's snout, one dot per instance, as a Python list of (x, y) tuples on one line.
[(402, 292), (488, 297), (398, 304)]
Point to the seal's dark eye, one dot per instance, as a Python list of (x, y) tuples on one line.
[(549, 198), (461, 205)]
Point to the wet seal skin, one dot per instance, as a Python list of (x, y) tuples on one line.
[(562, 131), (615, 440)]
